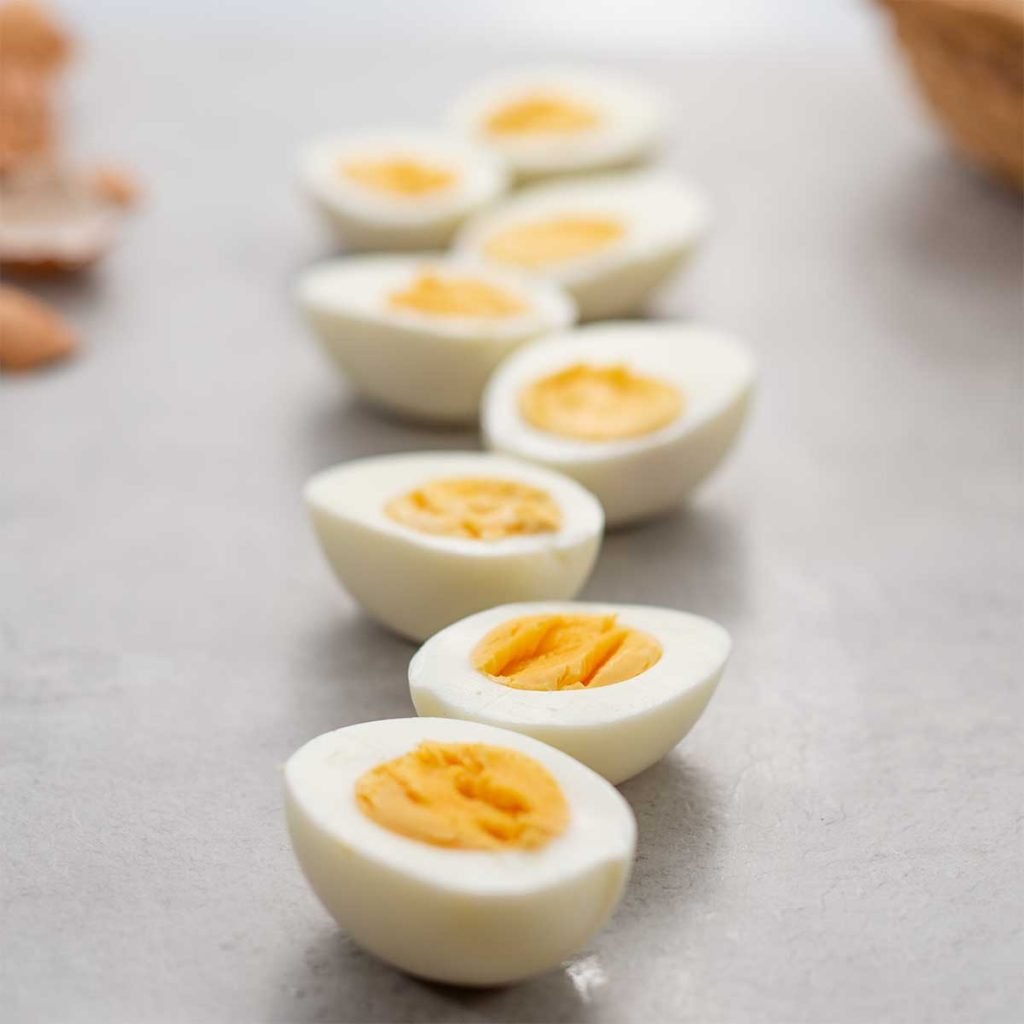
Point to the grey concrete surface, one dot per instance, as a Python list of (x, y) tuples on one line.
[(838, 840)]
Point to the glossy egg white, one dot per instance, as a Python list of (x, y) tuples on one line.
[(629, 121), (416, 583), (427, 366), (367, 218), (619, 729), (664, 220), (639, 477), (466, 917)]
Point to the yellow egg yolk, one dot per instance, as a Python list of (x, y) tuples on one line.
[(478, 508), (564, 652), (465, 796), (400, 177), (542, 113), (456, 296), (599, 403), (548, 242)]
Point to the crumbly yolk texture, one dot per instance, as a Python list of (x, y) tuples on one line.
[(456, 296), (465, 796), (401, 177), (542, 113), (477, 508), (548, 242), (599, 403), (564, 652)]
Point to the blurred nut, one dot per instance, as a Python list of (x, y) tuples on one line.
[(31, 37), (31, 334), (116, 185), (26, 118)]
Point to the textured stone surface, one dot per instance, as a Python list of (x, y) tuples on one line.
[(838, 839)]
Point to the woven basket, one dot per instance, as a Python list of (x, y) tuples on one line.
[(968, 59)]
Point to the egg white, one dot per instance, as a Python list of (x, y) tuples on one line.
[(468, 917), (664, 218), (637, 477), (619, 729), (367, 219), (425, 366), (416, 583), (630, 129)]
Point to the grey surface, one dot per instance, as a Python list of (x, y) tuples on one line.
[(839, 838)]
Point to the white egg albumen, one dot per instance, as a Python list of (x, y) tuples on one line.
[(425, 366), (366, 219), (665, 220), (630, 130), (416, 583), (619, 729), (469, 917), (638, 477)]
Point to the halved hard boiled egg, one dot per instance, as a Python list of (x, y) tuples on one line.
[(639, 414), (399, 189), (421, 336), (421, 540), (615, 686), (610, 241), (561, 121), (456, 851)]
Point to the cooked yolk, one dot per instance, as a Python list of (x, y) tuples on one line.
[(542, 114), (547, 242), (479, 508), (399, 177), (466, 796), (599, 403), (564, 652), (456, 296)]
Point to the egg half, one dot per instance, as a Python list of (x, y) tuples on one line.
[(423, 539), (456, 851), (561, 121), (615, 685), (399, 189), (421, 336), (639, 414), (609, 241)]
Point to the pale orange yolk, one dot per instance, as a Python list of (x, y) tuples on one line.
[(599, 403), (400, 177), (542, 113), (456, 296), (564, 652), (465, 796), (547, 242), (477, 508)]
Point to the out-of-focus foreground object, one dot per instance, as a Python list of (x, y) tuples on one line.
[(33, 47), (968, 59), (54, 220), (31, 333)]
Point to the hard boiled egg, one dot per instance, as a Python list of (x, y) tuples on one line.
[(561, 121), (421, 540), (609, 241), (637, 413), (615, 686), (421, 336), (399, 189), (456, 851)]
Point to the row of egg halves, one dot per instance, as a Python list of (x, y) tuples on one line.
[(484, 841)]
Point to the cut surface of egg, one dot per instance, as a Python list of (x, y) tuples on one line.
[(421, 540), (421, 336), (637, 413), (615, 686), (456, 851), (610, 241), (561, 121), (399, 189)]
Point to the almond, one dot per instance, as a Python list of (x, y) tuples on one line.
[(31, 37), (31, 333), (116, 185)]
